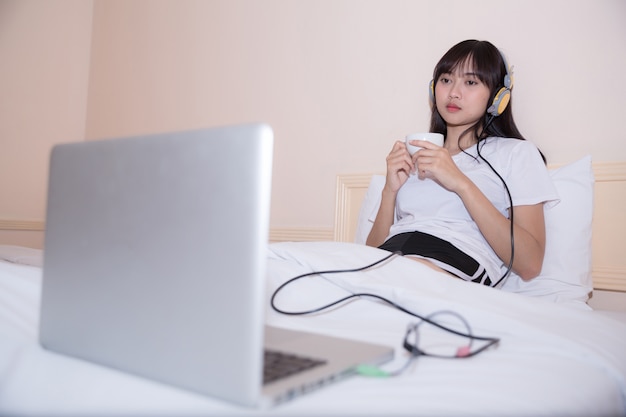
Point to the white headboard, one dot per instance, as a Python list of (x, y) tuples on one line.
[(609, 220)]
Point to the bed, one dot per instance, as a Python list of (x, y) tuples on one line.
[(556, 355)]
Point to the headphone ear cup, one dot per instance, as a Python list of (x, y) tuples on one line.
[(431, 92), (500, 101), (503, 96)]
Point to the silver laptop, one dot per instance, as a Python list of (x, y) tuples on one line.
[(155, 264)]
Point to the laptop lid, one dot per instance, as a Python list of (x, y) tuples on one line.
[(155, 264), (155, 256)]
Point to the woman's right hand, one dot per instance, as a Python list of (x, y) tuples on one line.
[(399, 167)]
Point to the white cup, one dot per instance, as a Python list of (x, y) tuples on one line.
[(436, 138)]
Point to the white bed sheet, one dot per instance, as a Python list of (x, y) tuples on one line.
[(552, 360)]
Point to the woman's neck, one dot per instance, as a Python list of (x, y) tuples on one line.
[(459, 138)]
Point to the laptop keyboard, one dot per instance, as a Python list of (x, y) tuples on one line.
[(279, 365)]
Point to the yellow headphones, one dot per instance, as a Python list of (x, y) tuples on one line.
[(500, 100), (503, 96)]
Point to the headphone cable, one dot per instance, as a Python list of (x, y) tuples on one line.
[(468, 335), (508, 192)]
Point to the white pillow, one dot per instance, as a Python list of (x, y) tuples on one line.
[(566, 272), (369, 208)]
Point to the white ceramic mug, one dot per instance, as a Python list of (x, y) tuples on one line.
[(436, 138)]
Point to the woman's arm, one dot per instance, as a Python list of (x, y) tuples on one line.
[(528, 231), (399, 167), (384, 219)]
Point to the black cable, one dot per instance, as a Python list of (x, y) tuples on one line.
[(413, 349), (308, 274), (468, 335), (508, 192)]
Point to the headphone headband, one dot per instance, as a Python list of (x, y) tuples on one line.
[(503, 96)]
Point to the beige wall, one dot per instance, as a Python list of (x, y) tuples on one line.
[(44, 67), (339, 80)]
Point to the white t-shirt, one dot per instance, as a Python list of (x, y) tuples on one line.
[(425, 206)]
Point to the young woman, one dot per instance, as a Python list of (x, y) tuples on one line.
[(473, 207)]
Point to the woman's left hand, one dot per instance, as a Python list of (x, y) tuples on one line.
[(435, 162)]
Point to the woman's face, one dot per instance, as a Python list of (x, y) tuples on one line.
[(461, 97)]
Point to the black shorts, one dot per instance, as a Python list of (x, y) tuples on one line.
[(441, 252)]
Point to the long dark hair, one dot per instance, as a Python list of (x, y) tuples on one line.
[(490, 68)]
